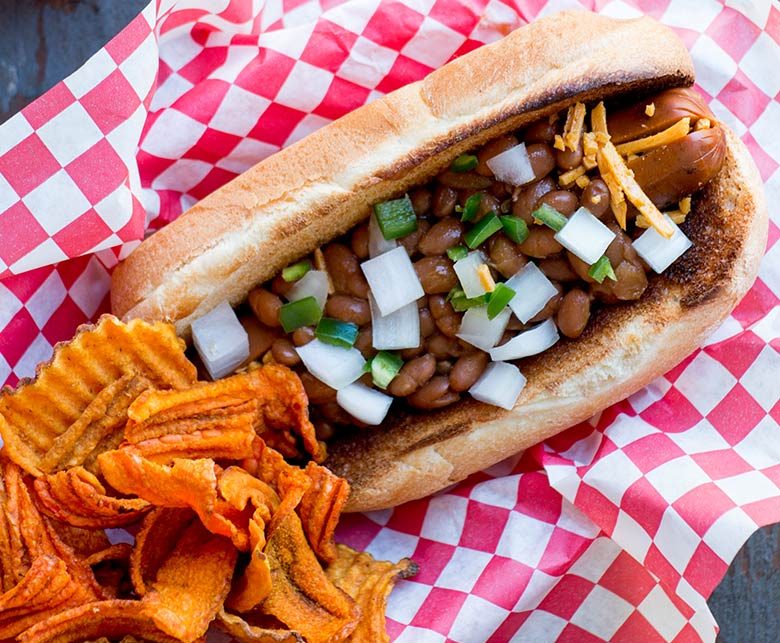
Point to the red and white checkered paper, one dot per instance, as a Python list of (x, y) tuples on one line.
[(618, 529)]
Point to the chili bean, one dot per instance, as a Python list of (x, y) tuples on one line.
[(562, 200), (447, 320), (324, 430), (410, 241), (434, 395), (318, 392), (442, 347), (541, 131), (491, 149), (283, 351), (364, 342), (412, 376), (631, 283), (542, 159), (265, 305), (281, 287), (359, 241), (540, 243), (303, 335), (595, 197), (573, 314), (487, 204), (421, 201), (558, 269), (349, 309), (579, 267), (427, 325), (515, 324), (529, 196), (467, 370), (443, 367), (461, 180), (411, 353), (500, 190), (436, 274), (620, 249), (568, 160), (335, 414), (550, 308), (260, 336), (444, 201), (505, 255), (344, 270)]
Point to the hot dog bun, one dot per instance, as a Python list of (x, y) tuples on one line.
[(317, 189)]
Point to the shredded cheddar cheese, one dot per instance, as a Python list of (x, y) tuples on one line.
[(675, 215), (685, 205), (568, 178), (650, 109), (319, 264), (616, 197), (670, 134), (582, 182), (558, 144), (485, 278), (589, 145), (572, 130), (589, 162), (610, 162), (598, 120)]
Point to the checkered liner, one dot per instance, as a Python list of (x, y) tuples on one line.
[(618, 529)]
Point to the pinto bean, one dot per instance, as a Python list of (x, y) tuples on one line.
[(467, 370), (505, 255), (447, 320), (364, 343), (281, 287), (265, 305), (564, 201), (435, 394), (422, 199), (529, 196), (542, 159), (568, 160), (541, 131), (283, 351), (540, 243), (410, 241), (551, 307), (318, 392), (595, 197), (349, 309), (442, 236), (427, 324), (444, 201), (442, 347), (491, 149), (303, 335), (359, 241), (574, 312), (344, 270), (260, 336), (557, 269), (412, 376), (436, 274)]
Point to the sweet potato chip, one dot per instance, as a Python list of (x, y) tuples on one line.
[(113, 619), (231, 441), (302, 597), (321, 508), (243, 632), (77, 497), (369, 582), (83, 542), (47, 588), (187, 483), (191, 584), (38, 412)]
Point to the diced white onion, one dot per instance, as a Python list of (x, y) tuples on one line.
[(659, 252), (399, 329), (313, 284), (529, 342), (585, 236), (479, 330), (466, 269), (220, 340), (377, 244), (512, 166), (392, 280), (364, 403), (532, 291), (500, 385), (336, 366)]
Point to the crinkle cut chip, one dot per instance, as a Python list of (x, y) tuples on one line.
[(67, 397)]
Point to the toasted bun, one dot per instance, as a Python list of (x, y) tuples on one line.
[(316, 190)]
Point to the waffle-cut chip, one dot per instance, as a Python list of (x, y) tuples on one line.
[(119, 551), (112, 619), (191, 584), (243, 632), (83, 542), (369, 582), (281, 411), (76, 497), (46, 588), (38, 412), (186, 483), (302, 597), (321, 508)]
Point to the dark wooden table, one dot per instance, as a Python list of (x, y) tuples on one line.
[(40, 45)]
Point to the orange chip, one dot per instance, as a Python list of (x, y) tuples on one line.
[(47, 588), (187, 483), (83, 542), (120, 551), (113, 619), (191, 584), (37, 413), (243, 632), (321, 508), (76, 497), (302, 597), (369, 582)]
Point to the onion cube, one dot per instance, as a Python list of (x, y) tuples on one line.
[(500, 385), (532, 291), (466, 269), (530, 342), (479, 330), (659, 252), (585, 236), (220, 340), (364, 403), (512, 166), (313, 284), (335, 366), (398, 330), (377, 244), (392, 280)]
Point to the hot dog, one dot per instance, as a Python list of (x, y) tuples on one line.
[(492, 184)]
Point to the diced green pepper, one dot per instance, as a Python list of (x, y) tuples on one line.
[(515, 228), (602, 269), (296, 314), (464, 163), (396, 218), (457, 253), (550, 217), (384, 367), (296, 271), (471, 207), (336, 332), (482, 230), (499, 298)]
